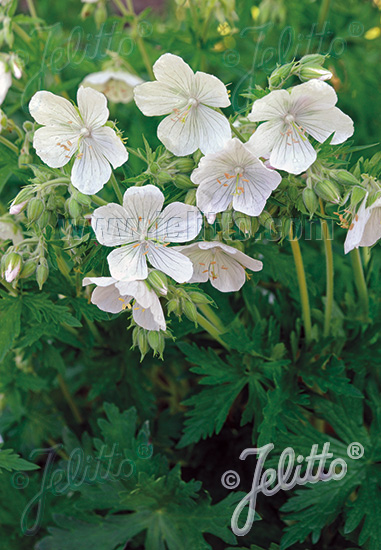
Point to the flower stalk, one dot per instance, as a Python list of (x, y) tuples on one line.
[(360, 282), (329, 273)]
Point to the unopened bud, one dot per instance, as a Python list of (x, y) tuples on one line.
[(158, 281), (28, 269), (198, 297), (17, 208), (313, 59), (87, 10), (43, 220), (3, 121), (344, 177), (164, 177), (100, 15), (8, 33), (190, 310), (35, 209), (243, 222), (357, 195), (12, 266), (308, 72), (156, 342), (24, 159), (143, 343), (73, 208), (328, 191), (85, 200), (266, 221), (183, 182), (190, 197), (173, 306), (185, 165), (42, 272), (310, 200), (280, 74)]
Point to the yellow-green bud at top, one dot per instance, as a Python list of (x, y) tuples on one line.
[(328, 191), (44, 219), (183, 182), (185, 165), (34, 209), (164, 177), (143, 343), (87, 10), (28, 269), (311, 202), (85, 200), (24, 160), (8, 33), (344, 177), (197, 156), (313, 59), (73, 208), (100, 15), (173, 306), (156, 342), (280, 74), (190, 197), (158, 281), (42, 272), (266, 221), (190, 310), (308, 72), (357, 195), (199, 297)]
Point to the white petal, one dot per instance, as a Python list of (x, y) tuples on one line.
[(200, 259), (91, 170), (214, 129), (292, 152), (52, 110), (226, 274), (177, 223), (110, 145), (312, 95), (111, 225), (172, 263), (261, 182), (359, 221), (214, 195), (180, 133), (55, 145), (210, 90), (321, 124), (157, 98), (265, 137), (106, 296), (372, 231), (99, 281), (116, 85), (93, 107), (243, 259), (143, 205), (5, 81), (128, 263), (174, 72), (273, 105), (150, 319)]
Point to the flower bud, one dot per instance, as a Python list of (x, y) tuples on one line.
[(17, 208), (8, 33), (344, 177), (158, 281), (143, 343), (42, 272), (199, 297), (12, 266), (156, 342), (328, 191), (185, 164), (280, 74), (3, 121), (85, 200), (313, 59), (24, 159), (87, 10), (190, 197), (35, 209), (308, 72), (164, 177), (311, 202), (190, 310), (100, 15), (173, 306), (183, 182), (28, 269), (357, 195), (73, 208), (43, 220), (266, 221), (243, 222)]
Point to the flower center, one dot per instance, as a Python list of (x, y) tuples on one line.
[(289, 119), (85, 132)]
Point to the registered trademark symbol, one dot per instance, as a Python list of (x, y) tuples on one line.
[(355, 450)]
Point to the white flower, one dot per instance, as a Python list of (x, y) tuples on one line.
[(117, 86), (5, 80), (145, 233), (308, 109), (233, 175), (9, 230), (68, 131), (188, 99), (114, 296), (223, 265), (365, 229)]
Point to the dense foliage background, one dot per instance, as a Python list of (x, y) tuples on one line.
[(68, 373)]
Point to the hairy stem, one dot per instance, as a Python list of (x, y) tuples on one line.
[(360, 282), (329, 273), (211, 316), (118, 192), (213, 331), (9, 144), (98, 200), (306, 312), (324, 9)]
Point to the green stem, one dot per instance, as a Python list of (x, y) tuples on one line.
[(324, 9), (329, 273), (237, 132), (9, 287), (138, 38), (116, 189), (207, 325), (208, 312), (22, 34), (9, 144), (70, 401), (360, 282), (306, 312), (98, 200)]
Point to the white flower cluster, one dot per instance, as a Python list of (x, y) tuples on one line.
[(231, 174)]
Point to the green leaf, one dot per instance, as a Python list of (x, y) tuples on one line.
[(10, 461), (10, 313)]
